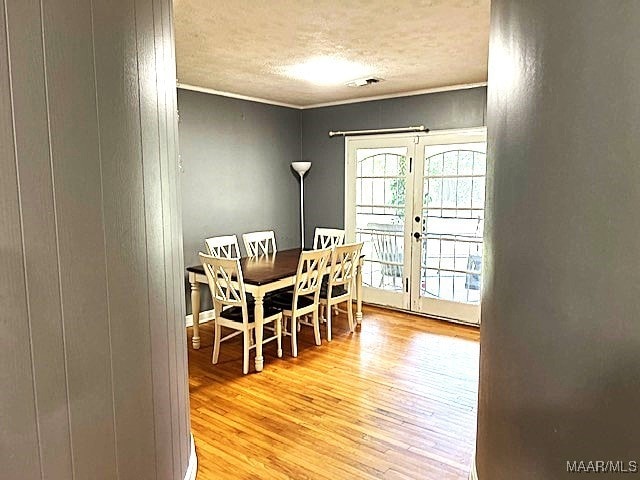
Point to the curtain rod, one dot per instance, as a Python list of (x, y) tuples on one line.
[(353, 133)]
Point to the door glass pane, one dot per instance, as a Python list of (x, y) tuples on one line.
[(453, 221), (380, 205)]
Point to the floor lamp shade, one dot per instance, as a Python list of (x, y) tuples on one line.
[(301, 168)]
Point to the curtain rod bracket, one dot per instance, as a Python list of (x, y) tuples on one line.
[(353, 133)]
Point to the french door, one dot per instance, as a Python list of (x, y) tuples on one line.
[(417, 204)]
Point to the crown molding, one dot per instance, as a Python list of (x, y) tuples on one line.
[(462, 86), (195, 88)]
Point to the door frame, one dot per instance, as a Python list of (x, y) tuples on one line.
[(411, 300), (401, 300), (435, 307)]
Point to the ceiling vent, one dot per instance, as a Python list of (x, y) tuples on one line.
[(363, 82)]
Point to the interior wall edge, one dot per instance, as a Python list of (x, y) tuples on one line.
[(88, 151)]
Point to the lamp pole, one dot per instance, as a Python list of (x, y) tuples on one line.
[(301, 168)]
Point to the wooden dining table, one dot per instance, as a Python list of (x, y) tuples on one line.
[(262, 274)]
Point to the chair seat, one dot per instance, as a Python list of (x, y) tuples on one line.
[(284, 300), (336, 291), (235, 313)]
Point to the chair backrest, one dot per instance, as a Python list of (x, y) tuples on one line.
[(226, 283), (311, 269), (327, 237), (259, 243), (225, 246), (388, 242), (344, 263)]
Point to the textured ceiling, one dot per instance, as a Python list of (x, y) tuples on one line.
[(242, 46)]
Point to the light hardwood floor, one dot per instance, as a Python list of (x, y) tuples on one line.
[(395, 400)]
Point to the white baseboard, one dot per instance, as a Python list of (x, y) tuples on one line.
[(192, 469), (473, 474), (205, 317)]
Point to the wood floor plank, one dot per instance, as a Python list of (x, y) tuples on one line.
[(395, 400)]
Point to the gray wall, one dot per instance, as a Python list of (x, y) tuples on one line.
[(236, 156), (560, 337), (91, 333), (237, 176), (324, 183)]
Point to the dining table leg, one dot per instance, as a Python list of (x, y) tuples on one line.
[(259, 318), (195, 311), (359, 293)]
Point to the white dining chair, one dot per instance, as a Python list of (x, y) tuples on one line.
[(231, 309), (327, 237), (259, 243), (339, 287), (305, 297), (225, 246)]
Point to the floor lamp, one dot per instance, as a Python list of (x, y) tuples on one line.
[(301, 168)]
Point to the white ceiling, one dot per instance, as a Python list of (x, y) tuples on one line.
[(241, 47)]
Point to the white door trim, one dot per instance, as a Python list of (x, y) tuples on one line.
[(192, 468), (473, 474)]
